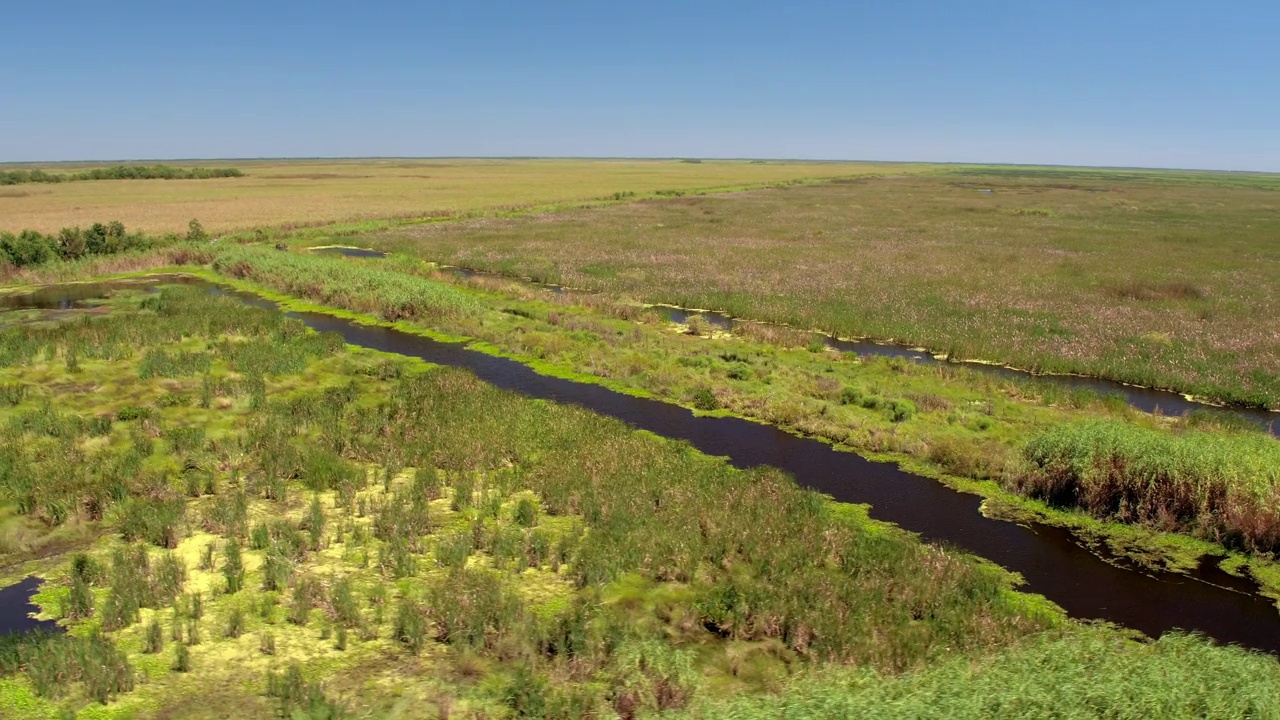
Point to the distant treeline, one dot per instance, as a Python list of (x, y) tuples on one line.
[(118, 172), (31, 247)]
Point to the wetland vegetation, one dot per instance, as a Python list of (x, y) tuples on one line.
[(1147, 277), (31, 248), (984, 433), (252, 518), (237, 516)]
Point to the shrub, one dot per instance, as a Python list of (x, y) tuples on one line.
[(704, 399), (527, 692), (899, 410), (411, 625), (235, 623), (195, 231), (464, 487), (156, 521), (300, 698), (472, 607), (155, 637), (525, 513), (453, 550), (851, 396), (233, 566), (343, 601), (80, 599), (181, 658), (652, 675)]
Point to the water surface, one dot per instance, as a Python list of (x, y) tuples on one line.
[(16, 608)]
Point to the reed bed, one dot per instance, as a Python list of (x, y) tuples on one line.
[(1224, 486), (1089, 675), (331, 281)]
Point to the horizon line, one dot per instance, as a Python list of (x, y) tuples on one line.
[(654, 158)]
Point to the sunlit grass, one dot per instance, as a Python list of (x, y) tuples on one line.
[(256, 478), (1151, 278)]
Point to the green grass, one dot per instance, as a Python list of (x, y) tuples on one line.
[(1152, 278), (1084, 675), (1222, 486), (331, 281)]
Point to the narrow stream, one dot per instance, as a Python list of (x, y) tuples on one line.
[(1051, 560), (1148, 400)]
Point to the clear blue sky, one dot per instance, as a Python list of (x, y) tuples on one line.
[(1088, 82)]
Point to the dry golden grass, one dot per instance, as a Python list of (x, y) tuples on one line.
[(284, 193)]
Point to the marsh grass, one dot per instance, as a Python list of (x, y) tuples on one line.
[(584, 568), (1095, 274), (55, 663), (298, 697), (331, 281), (1078, 676), (1222, 486)]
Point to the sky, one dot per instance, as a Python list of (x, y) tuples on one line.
[(1087, 82)]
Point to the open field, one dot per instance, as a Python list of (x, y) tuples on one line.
[(290, 193), (251, 518), (1164, 279)]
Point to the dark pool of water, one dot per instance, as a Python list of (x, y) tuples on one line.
[(549, 287), (16, 608), (1052, 561), (349, 252), (78, 295)]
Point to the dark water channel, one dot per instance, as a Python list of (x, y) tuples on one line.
[(1052, 561), (349, 252), (1148, 400)]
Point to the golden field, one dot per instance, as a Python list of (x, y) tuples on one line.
[(290, 193)]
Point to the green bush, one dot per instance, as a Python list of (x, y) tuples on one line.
[(118, 172), (704, 399), (525, 513), (899, 410), (30, 247)]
